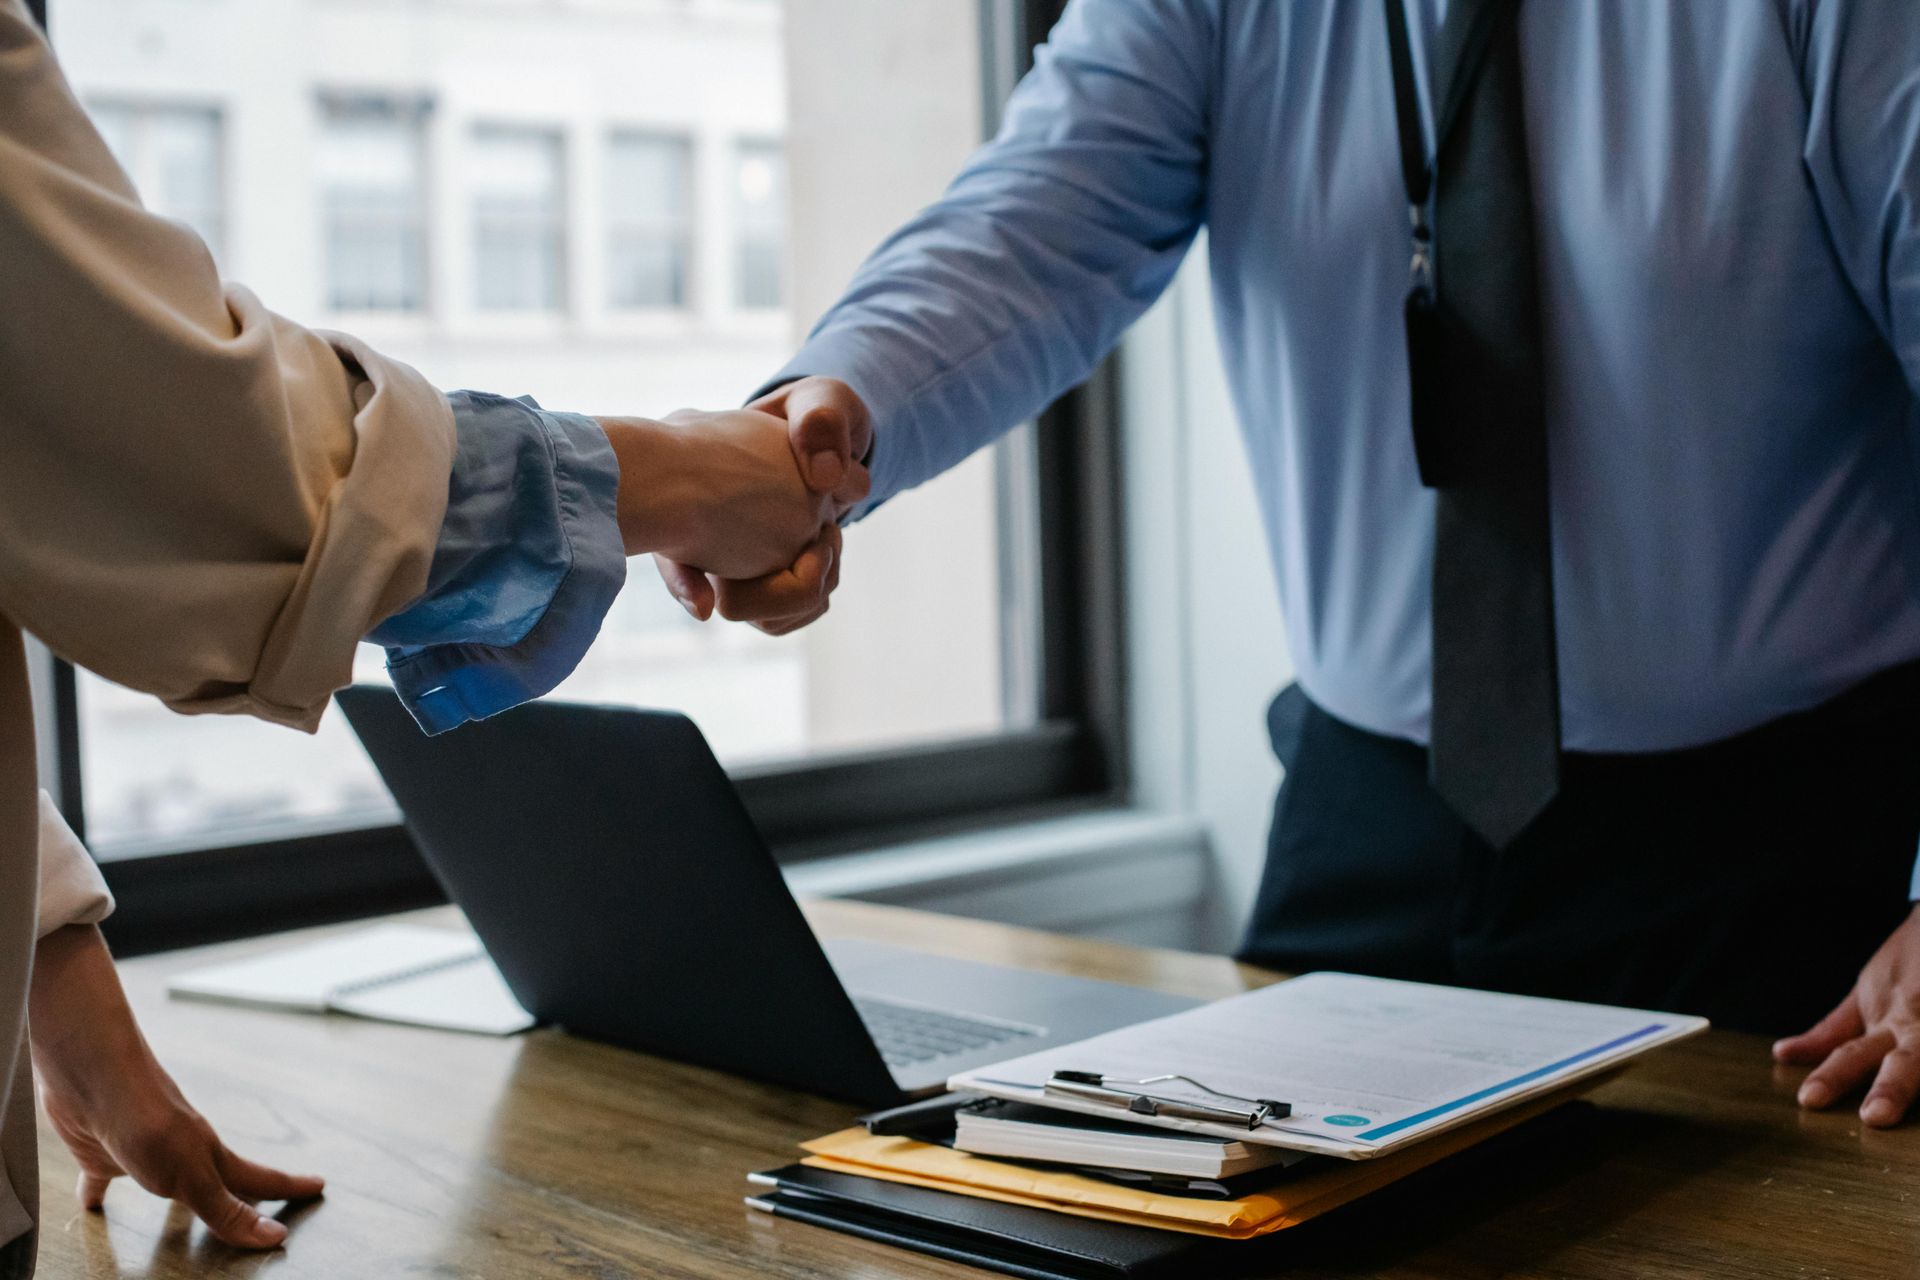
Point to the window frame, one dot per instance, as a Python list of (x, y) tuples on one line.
[(742, 237), (1059, 501)]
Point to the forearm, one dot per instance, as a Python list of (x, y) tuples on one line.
[(659, 497), (1053, 238), (78, 1011)]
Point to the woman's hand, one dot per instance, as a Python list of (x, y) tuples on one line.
[(717, 491), (830, 433), (118, 1110)]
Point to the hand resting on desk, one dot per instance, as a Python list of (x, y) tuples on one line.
[(1873, 1034), (119, 1111)]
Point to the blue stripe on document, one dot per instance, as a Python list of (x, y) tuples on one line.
[(1385, 1130)]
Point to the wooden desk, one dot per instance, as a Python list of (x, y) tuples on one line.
[(455, 1156)]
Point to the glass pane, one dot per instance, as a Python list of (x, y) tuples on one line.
[(647, 271), (647, 180), (760, 199), (648, 211), (186, 152), (116, 125), (760, 268), (518, 258), (651, 173)]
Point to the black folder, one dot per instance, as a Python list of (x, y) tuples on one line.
[(1010, 1238)]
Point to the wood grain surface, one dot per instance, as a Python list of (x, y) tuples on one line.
[(546, 1156)]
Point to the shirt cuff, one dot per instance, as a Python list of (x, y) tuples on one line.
[(529, 560), (71, 888)]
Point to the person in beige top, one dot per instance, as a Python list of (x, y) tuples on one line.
[(204, 501)]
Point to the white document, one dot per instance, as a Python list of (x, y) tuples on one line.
[(1367, 1064), (397, 973)]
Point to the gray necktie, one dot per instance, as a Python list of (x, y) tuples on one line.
[(1480, 432)]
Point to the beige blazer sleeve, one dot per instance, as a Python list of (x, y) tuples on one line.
[(198, 498), (72, 890)]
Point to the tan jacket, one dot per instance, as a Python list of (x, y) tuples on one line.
[(198, 499)]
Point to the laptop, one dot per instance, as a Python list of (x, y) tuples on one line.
[(604, 858)]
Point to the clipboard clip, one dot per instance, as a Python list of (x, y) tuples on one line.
[(1091, 1086)]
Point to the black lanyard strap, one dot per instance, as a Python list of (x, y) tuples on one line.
[(1416, 168)]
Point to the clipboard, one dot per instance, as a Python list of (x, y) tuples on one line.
[(1336, 1064)]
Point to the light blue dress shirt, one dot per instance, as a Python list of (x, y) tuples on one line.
[(1728, 200), (529, 559)]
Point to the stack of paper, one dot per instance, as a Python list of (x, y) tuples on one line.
[(1023, 1131), (1288, 1202), (1375, 1078)]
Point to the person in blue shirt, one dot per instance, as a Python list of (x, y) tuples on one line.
[(1726, 224)]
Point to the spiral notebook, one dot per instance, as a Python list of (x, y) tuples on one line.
[(394, 973)]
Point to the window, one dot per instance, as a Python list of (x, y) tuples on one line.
[(519, 236), (760, 197), (172, 153), (923, 697), (649, 220), (373, 203)]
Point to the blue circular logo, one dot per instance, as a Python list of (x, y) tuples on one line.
[(1348, 1122)]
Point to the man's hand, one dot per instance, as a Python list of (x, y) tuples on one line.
[(829, 432), (717, 492), (119, 1112), (1875, 1033)]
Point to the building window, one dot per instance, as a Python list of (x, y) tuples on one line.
[(519, 219), (760, 224), (649, 220), (373, 203), (173, 155)]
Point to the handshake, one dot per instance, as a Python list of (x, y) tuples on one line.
[(741, 509)]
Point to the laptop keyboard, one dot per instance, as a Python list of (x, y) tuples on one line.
[(907, 1034)]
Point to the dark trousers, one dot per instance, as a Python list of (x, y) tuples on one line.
[(1747, 880)]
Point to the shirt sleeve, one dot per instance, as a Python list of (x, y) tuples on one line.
[(529, 559), (71, 889), (1860, 64), (1054, 238)]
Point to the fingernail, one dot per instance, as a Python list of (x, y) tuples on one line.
[(1815, 1096), (825, 469), (688, 606), (271, 1232), (1779, 1048), (1879, 1113)]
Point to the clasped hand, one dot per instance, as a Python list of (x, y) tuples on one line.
[(821, 430)]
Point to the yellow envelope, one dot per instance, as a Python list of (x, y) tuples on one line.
[(1290, 1202)]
